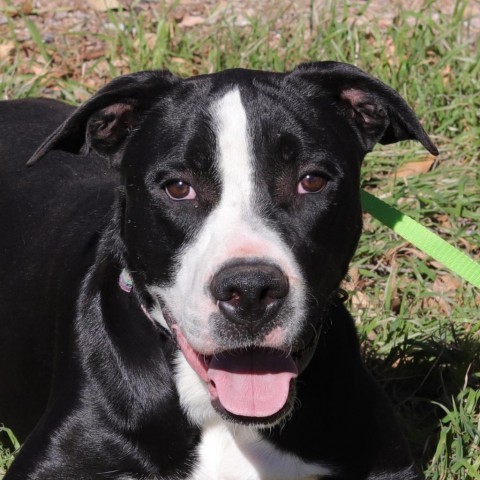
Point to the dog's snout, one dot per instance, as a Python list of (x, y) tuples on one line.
[(249, 293)]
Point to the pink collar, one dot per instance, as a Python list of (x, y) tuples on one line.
[(125, 282)]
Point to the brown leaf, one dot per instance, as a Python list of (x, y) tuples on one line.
[(443, 220), (38, 70), (446, 283), (178, 60), (26, 8), (104, 5), (360, 301), (92, 54), (390, 50), (437, 304), (21, 8), (178, 13), (190, 21), (352, 281), (467, 244), (403, 250), (149, 38), (412, 169), (447, 75), (7, 50)]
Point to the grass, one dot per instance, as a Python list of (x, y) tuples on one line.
[(7, 454), (419, 325)]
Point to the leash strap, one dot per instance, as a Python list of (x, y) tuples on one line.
[(423, 238)]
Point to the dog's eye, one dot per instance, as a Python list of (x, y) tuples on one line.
[(180, 190), (311, 183)]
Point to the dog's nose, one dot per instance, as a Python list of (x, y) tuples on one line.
[(249, 293)]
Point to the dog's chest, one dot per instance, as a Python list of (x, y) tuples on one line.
[(240, 453)]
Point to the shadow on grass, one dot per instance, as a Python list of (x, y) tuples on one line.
[(419, 377)]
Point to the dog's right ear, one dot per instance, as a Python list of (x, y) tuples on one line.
[(104, 122)]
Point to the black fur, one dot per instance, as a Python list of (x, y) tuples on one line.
[(85, 376)]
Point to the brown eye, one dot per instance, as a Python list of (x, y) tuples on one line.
[(180, 190), (311, 183)]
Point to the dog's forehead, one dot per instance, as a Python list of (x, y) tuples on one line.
[(273, 106), (262, 94), (260, 108)]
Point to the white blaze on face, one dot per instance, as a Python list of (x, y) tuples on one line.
[(233, 230), (235, 155)]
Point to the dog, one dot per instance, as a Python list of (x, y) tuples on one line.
[(171, 262)]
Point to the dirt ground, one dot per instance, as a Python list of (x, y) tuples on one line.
[(58, 17), (72, 26)]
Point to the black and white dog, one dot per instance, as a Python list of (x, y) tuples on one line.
[(170, 304)]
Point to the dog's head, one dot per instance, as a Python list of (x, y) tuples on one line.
[(240, 210)]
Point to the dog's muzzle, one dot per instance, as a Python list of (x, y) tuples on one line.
[(249, 294)]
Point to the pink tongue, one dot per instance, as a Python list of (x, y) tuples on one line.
[(251, 383)]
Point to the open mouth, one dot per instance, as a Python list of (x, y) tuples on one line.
[(252, 383)]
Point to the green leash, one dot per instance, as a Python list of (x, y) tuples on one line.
[(422, 238)]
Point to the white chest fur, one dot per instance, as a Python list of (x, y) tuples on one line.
[(239, 453)]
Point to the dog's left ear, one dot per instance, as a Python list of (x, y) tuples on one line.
[(104, 122), (377, 113)]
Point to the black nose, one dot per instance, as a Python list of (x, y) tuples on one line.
[(249, 292)]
